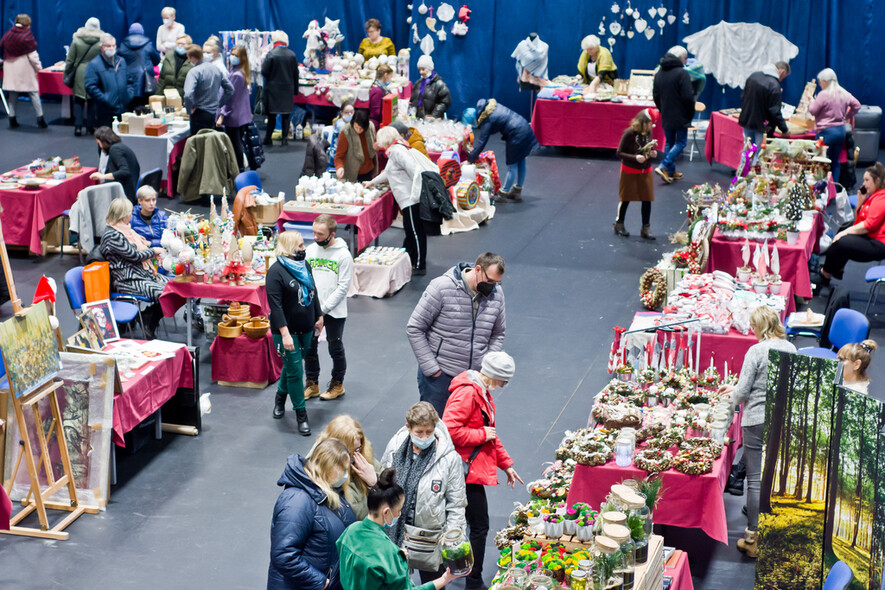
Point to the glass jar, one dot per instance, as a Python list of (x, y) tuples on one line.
[(540, 582), (578, 580), (605, 555), (626, 566), (456, 552), (585, 565), (623, 452), (516, 577), (639, 524), (609, 517)]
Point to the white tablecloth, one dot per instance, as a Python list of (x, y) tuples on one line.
[(153, 152), (377, 280)]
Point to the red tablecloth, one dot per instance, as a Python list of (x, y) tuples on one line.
[(690, 501), (175, 293), (245, 359), (177, 152), (152, 386), (680, 573), (585, 124), (322, 99), (5, 509), (26, 212), (370, 222), (726, 255), (52, 82), (724, 141)]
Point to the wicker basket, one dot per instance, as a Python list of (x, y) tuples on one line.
[(256, 328)]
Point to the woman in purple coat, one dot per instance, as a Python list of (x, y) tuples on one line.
[(383, 76), (236, 114)]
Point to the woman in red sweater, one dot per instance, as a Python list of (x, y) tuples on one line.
[(865, 240)]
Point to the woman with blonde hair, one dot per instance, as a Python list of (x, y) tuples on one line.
[(750, 391), (308, 518), (236, 113), (855, 359), (295, 315), (364, 469), (832, 108), (636, 152)]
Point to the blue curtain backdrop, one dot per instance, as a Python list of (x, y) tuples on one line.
[(829, 33)]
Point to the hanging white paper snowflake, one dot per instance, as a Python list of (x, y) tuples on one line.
[(615, 8)]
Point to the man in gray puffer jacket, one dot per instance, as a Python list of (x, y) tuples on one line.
[(459, 319)]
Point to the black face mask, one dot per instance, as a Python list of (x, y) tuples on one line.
[(485, 289), (299, 255), (324, 243)]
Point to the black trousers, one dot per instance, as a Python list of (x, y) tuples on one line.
[(431, 576), (334, 332), (416, 238), (477, 515), (200, 120), (236, 139), (272, 123), (646, 211), (852, 247)]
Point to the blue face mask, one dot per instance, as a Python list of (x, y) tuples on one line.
[(347, 118), (341, 481), (392, 524), (234, 60), (422, 443), (180, 50)]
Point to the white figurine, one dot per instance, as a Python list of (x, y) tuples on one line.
[(312, 34)]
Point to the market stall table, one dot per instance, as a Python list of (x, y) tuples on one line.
[(380, 280), (680, 572), (725, 255), (26, 212), (245, 361), (159, 152), (366, 225), (51, 81), (331, 95), (586, 124)]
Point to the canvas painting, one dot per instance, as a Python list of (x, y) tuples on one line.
[(82, 340), (93, 331), (104, 317), (29, 350)]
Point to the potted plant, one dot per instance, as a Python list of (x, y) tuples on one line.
[(625, 372), (570, 517), (792, 234), (584, 526), (667, 396), (774, 284), (651, 397), (553, 526)]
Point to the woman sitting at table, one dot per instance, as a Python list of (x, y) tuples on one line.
[(117, 162), (148, 221), (596, 64), (374, 44), (832, 108), (865, 240), (355, 157), (383, 76), (130, 257), (750, 391)]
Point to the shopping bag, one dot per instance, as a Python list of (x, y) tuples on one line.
[(843, 213), (97, 281)]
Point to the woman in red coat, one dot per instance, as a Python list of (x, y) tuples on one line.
[(470, 418)]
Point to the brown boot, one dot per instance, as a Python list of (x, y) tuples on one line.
[(747, 545), (646, 233), (312, 389), (620, 231), (516, 194), (336, 390)]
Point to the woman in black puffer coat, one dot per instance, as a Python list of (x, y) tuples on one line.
[(309, 516), (430, 95)]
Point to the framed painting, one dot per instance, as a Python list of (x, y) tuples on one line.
[(104, 317), (30, 350), (94, 333)]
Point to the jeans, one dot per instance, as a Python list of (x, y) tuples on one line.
[(35, 100), (477, 514), (757, 137), (415, 242), (753, 444), (291, 381), (334, 332), (434, 390), (645, 211), (83, 113), (200, 120), (515, 173), (833, 138), (852, 247), (676, 141)]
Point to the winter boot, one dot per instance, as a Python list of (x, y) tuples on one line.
[(41, 123), (620, 231), (336, 390), (516, 194), (279, 405), (665, 176), (646, 233), (312, 389), (303, 426), (13, 122), (747, 545)]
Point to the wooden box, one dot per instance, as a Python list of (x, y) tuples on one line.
[(268, 214), (156, 130)]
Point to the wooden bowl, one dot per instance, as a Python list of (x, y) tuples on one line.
[(256, 329), (229, 329), (228, 319)]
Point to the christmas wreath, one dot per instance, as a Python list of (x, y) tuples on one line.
[(653, 460), (652, 288)]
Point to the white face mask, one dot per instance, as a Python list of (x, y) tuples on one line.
[(110, 53), (167, 22)]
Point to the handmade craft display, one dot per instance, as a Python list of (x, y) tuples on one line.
[(441, 135), (349, 76), (380, 255), (328, 189), (40, 172)]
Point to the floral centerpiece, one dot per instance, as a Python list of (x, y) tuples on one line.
[(234, 272), (624, 372), (553, 526), (584, 526), (710, 378)]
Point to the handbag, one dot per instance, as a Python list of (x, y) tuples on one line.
[(68, 79), (422, 546), (150, 83)]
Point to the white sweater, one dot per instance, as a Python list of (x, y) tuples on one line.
[(332, 269), (403, 174)]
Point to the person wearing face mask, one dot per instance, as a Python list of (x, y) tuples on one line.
[(310, 515), (374, 44), (85, 45), (432, 478), (280, 72), (459, 319), (236, 114), (175, 67), (332, 265), (344, 117), (295, 315), (855, 359), (205, 89), (109, 82), (470, 418), (212, 54), (430, 95), (383, 76), (369, 559), (169, 32)]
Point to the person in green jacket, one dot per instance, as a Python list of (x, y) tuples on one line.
[(85, 45), (369, 560), (596, 64), (175, 66)]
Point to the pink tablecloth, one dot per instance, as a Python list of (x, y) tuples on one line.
[(152, 386), (52, 82), (177, 151), (690, 501), (175, 293), (726, 255), (25, 213), (370, 222), (322, 99), (245, 359), (5, 509), (680, 573), (585, 124)]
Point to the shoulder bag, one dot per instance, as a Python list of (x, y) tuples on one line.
[(469, 462), (69, 77)]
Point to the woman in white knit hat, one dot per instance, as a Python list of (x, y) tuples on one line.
[(430, 95)]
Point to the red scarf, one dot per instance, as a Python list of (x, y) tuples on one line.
[(18, 41), (401, 142)]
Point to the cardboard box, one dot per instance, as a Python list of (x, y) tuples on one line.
[(156, 130), (157, 102), (173, 99), (123, 128), (268, 214), (137, 123)]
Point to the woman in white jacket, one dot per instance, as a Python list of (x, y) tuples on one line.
[(429, 470), (20, 68), (403, 174)]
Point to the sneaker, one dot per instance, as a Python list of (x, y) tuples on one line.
[(676, 175), (312, 389), (665, 176), (336, 390)]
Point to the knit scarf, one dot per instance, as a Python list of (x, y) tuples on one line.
[(424, 84), (136, 240), (298, 269), (409, 470), (18, 41)]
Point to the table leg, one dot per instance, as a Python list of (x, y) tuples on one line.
[(113, 470), (158, 424), (190, 321), (353, 238)]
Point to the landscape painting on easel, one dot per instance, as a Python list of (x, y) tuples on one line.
[(29, 350)]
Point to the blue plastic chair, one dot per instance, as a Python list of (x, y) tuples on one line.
[(848, 326), (839, 577), (125, 313), (875, 275), (247, 178)]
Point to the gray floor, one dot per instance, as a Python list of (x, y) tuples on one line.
[(195, 512)]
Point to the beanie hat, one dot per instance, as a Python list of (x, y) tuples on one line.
[(136, 29), (498, 365), (401, 127), (279, 37), (425, 61), (93, 23)]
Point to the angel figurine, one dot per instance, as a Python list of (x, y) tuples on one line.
[(313, 36)]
